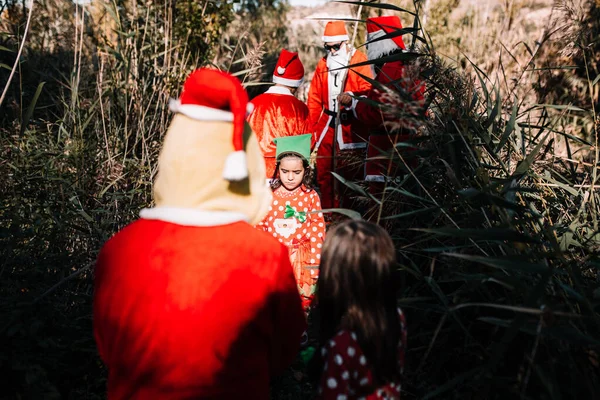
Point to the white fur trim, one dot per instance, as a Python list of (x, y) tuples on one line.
[(331, 39), (287, 82), (236, 167), (322, 136), (200, 113), (352, 146), (203, 113), (279, 90), (375, 178), (280, 70), (381, 47), (192, 217)]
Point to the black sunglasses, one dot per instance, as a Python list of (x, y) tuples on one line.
[(334, 47)]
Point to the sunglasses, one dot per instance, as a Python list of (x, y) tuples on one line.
[(334, 47)]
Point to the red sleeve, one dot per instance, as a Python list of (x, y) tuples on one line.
[(314, 101), (362, 86), (288, 317)]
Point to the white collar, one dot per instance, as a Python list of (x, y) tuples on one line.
[(191, 216), (279, 90)]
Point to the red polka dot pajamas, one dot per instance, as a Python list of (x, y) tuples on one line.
[(303, 234), (346, 372)]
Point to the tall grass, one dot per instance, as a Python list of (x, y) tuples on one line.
[(496, 228), (82, 124), (497, 233)]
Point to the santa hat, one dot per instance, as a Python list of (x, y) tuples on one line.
[(335, 31), (212, 95), (289, 70), (378, 27)]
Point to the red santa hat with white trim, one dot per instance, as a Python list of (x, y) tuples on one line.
[(289, 70), (335, 31), (378, 27), (212, 95)]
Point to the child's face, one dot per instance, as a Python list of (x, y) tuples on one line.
[(291, 172)]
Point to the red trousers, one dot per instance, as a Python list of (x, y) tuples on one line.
[(348, 164)]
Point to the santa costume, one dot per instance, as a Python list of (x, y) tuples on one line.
[(190, 300), (332, 78), (277, 113), (382, 136), (295, 219)]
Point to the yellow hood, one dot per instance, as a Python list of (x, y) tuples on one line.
[(190, 169)]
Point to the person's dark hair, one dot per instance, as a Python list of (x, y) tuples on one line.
[(308, 172), (356, 291)]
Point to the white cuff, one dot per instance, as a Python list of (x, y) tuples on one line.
[(353, 106)]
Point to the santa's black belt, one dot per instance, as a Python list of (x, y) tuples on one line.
[(333, 114)]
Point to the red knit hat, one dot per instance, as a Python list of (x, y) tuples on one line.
[(289, 70), (380, 26), (212, 95), (335, 31)]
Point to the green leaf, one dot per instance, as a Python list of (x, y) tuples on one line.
[(567, 135), (559, 107), (552, 68), (355, 187), (559, 332), (503, 263), (344, 211), (31, 107), (494, 234), (495, 111), (407, 194), (410, 213), (510, 126), (524, 165)]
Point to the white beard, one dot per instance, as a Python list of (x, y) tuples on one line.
[(380, 48), (339, 59), (336, 77)]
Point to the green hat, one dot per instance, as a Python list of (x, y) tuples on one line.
[(298, 144)]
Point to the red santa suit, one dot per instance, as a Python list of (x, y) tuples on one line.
[(277, 112), (190, 301), (392, 74), (331, 79)]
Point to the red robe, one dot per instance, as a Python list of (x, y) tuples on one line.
[(194, 312), (277, 113), (303, 239), (391, 73), (352, 134)]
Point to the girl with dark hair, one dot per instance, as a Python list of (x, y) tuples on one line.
[(295, 217), (362, 331)]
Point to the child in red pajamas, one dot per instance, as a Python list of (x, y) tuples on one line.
[(362, 332), (295, 217)]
